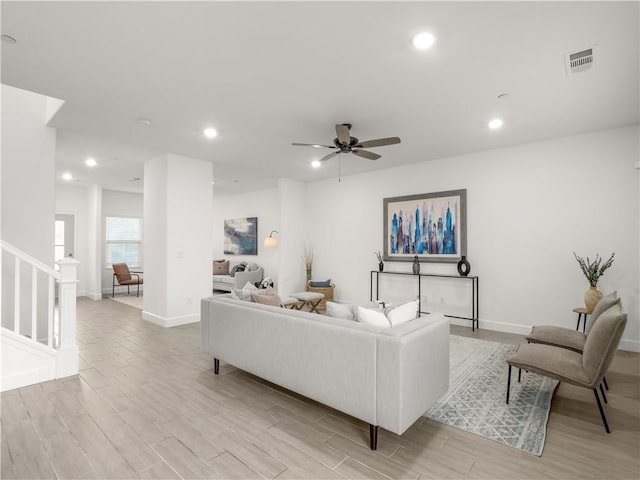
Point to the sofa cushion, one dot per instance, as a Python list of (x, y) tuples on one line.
[(341, 310), (251, 267), (373, 317), (226, 279), (244, 293), (238, 268), (221, 267), (324, 283), (403, 313), (264, 299)]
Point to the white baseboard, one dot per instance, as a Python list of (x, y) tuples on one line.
[(89, 295), (630, 345), (170, 322), (625, 344)]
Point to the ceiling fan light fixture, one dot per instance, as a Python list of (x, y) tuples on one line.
[(316, 164), (423, 41)]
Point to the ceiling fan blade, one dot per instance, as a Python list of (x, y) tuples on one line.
[(331, 155), (342, 131), (315, 145), (379, 142), (365, 154)]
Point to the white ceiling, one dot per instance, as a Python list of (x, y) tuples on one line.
[(267, 74)]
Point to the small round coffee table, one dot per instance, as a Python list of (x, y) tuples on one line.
[(582, 311)]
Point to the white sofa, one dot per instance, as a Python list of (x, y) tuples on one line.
[(227, 282), (385, 377)]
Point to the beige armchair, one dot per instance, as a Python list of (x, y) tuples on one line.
[(569, 338), (581, 369)]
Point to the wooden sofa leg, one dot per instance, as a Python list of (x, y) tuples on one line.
[(216, 366), (373, 437)]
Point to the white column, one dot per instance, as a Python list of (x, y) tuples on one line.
[(178, 237), (68, 348)]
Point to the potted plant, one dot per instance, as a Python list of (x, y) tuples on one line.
[(380, 262), (308, 261), (593, 270)]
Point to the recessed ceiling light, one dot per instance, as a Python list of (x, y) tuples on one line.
[(495, 123), (67, 176), (90, 162), (423, 41), (210, 132), (213, 182), (144, 121), (8, 39), (316, 164)]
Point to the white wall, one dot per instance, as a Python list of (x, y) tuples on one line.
[(529, 208), (28, 173), (264, 205), (27, 191)]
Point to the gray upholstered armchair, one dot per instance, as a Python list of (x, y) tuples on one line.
[(585, 369)]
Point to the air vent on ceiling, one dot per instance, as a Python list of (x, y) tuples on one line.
[(578, 62)]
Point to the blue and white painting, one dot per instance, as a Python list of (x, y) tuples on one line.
[(428, 225), (241, 236)]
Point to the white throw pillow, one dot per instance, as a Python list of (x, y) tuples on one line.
[(373, 317), (403, 313), (245, 293), (341, 310)]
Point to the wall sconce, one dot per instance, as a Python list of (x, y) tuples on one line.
[(271, 241)]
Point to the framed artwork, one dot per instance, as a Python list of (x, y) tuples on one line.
[(430, 225), (241, 236)]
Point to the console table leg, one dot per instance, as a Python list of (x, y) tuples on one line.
[(216, 366), (373, 437)]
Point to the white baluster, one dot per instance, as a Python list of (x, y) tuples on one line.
[(67, 348), (16, 305), (50, 306), (34, 303)]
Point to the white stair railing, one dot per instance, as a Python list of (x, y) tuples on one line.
[(60, 322)]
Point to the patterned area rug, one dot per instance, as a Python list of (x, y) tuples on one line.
[(130, 300), (475, 401)]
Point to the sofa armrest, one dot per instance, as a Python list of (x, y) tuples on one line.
[(252, 277), (413, 370)]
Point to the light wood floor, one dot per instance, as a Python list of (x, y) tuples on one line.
[(147, 405)]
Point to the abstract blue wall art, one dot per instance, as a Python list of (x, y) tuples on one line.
[(241, 236), (430, 225)]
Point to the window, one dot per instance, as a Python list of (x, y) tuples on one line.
[(123, 241)]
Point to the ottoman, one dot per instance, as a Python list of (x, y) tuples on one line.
[(312, 299)]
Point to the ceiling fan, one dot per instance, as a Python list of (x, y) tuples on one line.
[(345, 143)]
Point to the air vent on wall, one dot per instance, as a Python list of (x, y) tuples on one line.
[(578, 62)]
